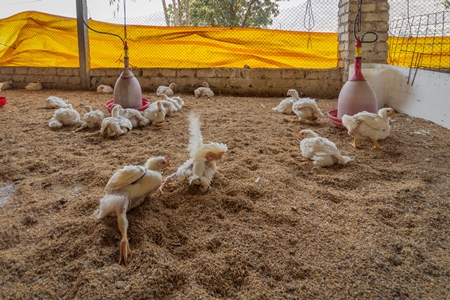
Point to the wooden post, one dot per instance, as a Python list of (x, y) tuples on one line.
[(83, 45)]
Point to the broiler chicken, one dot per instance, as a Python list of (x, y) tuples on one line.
[(127, 189), (306, 109), (156, 114), (365, 125), (6, 85), (175, 100), (201, 165), (55, 102), (64, 116), (135, 116), (320, 150), (285, 106), (169, 106), (204, 90), (91, 119), (115, 125), (34, 86), (165, 90), (104, 89)]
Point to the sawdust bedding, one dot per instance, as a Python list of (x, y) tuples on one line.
[(271, 227)]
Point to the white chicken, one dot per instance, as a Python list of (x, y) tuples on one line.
[(365, 125), (64, 116), (165, 90), (104, 89), (126, 189), (201, 165), (168, 105), (320, 150), (91, 119), (34, 86), (1, 84), (176, 100), (115, 125), (135, 116), (6, 85), (156, 114), (285, 106), (55, 102), (204, 90), (306, 109)]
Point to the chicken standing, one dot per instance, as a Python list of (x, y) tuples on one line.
[(365, 125), (320, 150), (165, 90), (126, 189), (285, 106), (115, 125), (104, 89), (156, 114), (64, 116), (201, 165), (34, 86), (91, 119), (55, 102), (204, 90), (306, 109)]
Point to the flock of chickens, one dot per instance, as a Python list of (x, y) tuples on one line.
[(322, 151), (129, 186)]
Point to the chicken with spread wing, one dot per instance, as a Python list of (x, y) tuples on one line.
[(127, 189), (201, 165)]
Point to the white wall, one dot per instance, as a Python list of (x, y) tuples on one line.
[(426, 96)]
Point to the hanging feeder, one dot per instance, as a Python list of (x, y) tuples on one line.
[(357, 94)]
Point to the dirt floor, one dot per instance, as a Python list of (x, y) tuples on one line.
[(270, 227)]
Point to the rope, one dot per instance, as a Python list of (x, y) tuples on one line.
[(308, 21)]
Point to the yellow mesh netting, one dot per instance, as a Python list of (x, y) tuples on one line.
[(36, 39)]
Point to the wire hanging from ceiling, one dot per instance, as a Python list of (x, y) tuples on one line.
[(357, 27), (308, 21)]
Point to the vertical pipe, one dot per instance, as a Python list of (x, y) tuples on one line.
[(83, 45)]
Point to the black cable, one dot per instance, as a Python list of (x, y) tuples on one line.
[(357, 27), (101, 32)]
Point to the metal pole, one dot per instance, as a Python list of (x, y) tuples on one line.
[(83, 45)]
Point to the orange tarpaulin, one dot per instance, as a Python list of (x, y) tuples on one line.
[(36, 39)]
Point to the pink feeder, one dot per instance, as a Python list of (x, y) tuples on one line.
[(144, 105), (357, 94), (127, 90), (2, 101)]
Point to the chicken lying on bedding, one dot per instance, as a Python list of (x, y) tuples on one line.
[(320, 150), (204, 90), (365, 125), (64, 116), (91, 119), (201, 165), (126, 189), (156, 114), (306, 109), (135, 116), (285, 106), (55, 102), (115, 125), (165, 90)]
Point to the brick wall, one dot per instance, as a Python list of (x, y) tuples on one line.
[(316, 83)]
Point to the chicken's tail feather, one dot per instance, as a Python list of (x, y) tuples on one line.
[(196, 139)]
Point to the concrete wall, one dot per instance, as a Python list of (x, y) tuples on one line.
[(318, 83)]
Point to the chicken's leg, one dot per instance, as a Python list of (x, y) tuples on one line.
[(376, 145), (355, 142), (124, 246)]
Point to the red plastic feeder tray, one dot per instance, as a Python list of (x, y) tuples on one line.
[(2, 101), (145, 104), (332, 115)]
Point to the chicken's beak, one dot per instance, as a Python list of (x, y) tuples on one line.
[(168, 161)]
